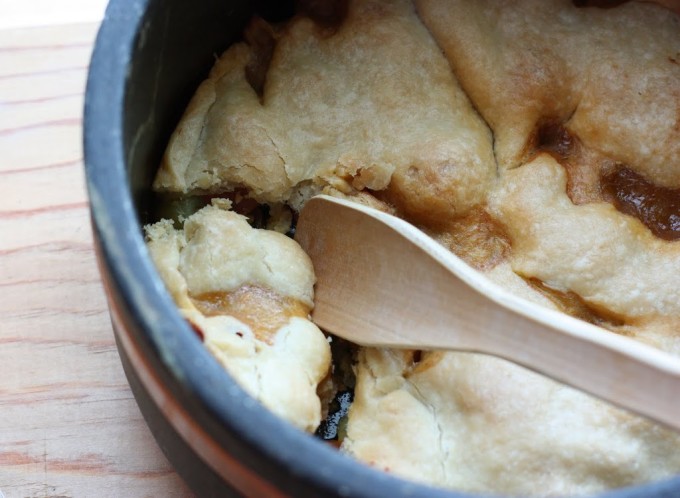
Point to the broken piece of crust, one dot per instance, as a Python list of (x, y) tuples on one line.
[(249, 292)]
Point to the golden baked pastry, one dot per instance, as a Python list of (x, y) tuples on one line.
[(493, 426), (537, 139), (609, 76), (248, 292), (373, 105)]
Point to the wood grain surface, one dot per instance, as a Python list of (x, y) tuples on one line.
[(69, 425)]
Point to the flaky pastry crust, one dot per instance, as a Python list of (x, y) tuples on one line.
[(217, 253), (570, 100), (611, 76), (374, 105)]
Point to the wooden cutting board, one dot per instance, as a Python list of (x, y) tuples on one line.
[(69, 425)]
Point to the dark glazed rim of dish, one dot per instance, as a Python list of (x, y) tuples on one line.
[(130, 274)]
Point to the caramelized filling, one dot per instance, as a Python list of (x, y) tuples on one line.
[(554, 138), (657, 207), (197, 330), (582, 166), (594, 178), (574, 305), (421, 361), (478, 238), (263, 310)]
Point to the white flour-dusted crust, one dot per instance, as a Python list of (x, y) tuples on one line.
[(218, 253)]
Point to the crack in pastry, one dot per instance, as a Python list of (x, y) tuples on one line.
[(384, 402), (583, 166), (606, 4), (503, 428)]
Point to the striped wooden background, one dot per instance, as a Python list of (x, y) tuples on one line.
[(69, 426)]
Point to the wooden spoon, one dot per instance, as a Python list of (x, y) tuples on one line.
[(382, 282)]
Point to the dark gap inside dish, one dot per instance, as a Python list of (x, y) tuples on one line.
[(333, 427), (603, 4), (172, 63)]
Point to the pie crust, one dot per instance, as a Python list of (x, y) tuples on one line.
[(537, 139)]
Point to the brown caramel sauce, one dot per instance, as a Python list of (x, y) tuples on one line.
[(420, 361), (263, 310), (574, 305), (477, 238), (657, 207), (582, 166), (592, 177), (197, 330)]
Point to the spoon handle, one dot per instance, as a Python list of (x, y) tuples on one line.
[(382, 282)]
